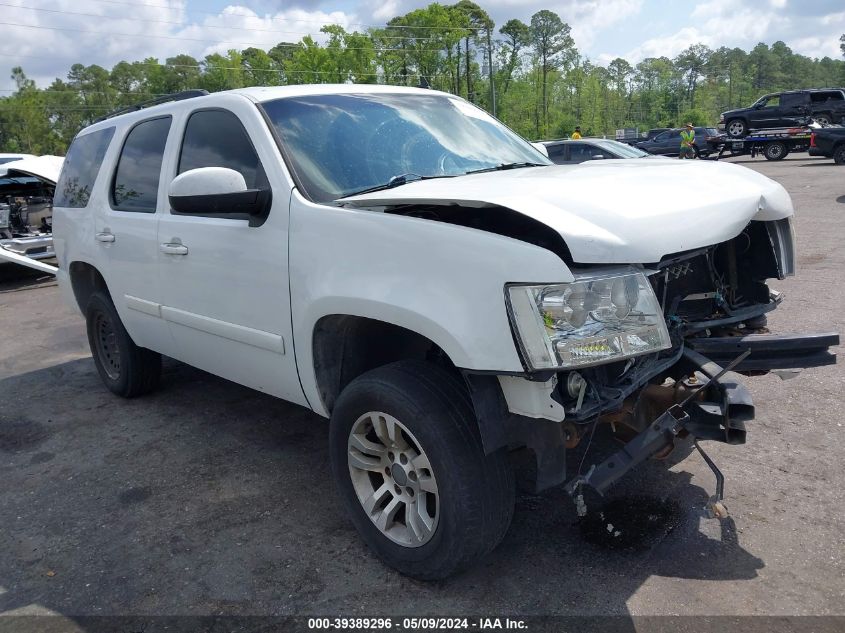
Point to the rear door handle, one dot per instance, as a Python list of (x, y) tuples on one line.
[(173, 248), (105, 236)]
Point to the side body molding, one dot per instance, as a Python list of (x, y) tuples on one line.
[(223, 329)]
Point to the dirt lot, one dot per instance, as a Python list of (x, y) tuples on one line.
[(208, 498)]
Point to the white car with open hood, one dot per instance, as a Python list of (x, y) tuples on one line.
[(27, 184), (402, 263)]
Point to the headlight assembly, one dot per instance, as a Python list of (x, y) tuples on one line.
[(598, 318)]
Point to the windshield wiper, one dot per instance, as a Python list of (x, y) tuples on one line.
[(396, 181), (505, 166)]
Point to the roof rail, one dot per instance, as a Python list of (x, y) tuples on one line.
[(176, 96)]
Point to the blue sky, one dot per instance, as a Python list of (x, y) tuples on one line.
[(47, 36)]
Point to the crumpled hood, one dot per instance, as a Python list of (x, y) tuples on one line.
[(614, 211)]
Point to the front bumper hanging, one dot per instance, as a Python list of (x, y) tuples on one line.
[(718, 409)]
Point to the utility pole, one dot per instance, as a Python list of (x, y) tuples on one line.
[(490, 72), (730, 85)]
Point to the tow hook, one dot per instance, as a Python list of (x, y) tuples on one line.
[(661, 432)]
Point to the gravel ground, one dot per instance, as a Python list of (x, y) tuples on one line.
[(207, 498)]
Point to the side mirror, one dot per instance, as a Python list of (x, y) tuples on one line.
[(216, 190), (597, 157)]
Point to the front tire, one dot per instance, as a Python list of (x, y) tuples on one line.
[(823, 119), (126, 369), (408, 462), (736, 128)]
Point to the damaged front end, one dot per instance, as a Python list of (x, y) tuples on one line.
[(713, 302)]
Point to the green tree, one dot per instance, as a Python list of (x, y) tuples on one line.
[(222, 72), (691, 64), (517, 38), (554, 47), (181, 72)]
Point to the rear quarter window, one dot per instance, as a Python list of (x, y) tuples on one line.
[(82, 164), (828, 95)]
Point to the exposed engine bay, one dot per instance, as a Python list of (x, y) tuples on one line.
[(719, 292), (26, 213)]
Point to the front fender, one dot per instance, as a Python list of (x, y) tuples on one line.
[(442, 281)]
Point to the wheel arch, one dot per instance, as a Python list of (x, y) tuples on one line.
[(344, 346), (85, 280)]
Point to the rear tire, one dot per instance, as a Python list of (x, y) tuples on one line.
[(736, 128), (422, 456), (775, 151), (126, 369), (839, 155), (823, 119)]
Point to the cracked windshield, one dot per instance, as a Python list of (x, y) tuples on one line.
[(343, 144)]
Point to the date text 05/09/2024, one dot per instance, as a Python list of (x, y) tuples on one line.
[(415, 624)]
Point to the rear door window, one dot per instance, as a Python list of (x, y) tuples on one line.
[(136, 179), (80, 169), (793, 99)]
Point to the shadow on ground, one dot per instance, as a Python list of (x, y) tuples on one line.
[(207, 498)]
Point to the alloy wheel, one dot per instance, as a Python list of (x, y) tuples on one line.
[(393, 479)]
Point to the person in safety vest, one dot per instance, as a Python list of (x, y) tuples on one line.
[(577, 133), (687, 142)]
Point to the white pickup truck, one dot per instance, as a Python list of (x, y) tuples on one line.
[(402, 263)]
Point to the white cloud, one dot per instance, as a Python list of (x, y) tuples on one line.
[(669, 45), (134, 32), (240, 27), (744, 23), (591, 17), (386, 11)]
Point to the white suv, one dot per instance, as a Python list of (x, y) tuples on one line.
[(400, 262)]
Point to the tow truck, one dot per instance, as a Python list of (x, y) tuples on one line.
[(774, 144)]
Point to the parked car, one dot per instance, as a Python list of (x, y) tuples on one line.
[(785, 109), (398, 261), (830, 142), (668, 143), (27, 187), (571, 151), (655, 131)]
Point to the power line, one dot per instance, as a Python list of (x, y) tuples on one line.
[(212, 26), (205, 41), (276, 18), (206, 67)]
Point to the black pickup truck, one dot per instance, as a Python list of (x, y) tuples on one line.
[(830, 142)]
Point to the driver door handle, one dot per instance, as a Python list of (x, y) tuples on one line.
[(173, 248), (105, 236)]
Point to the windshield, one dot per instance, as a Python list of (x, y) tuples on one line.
[(621, 149), (344, 143)]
